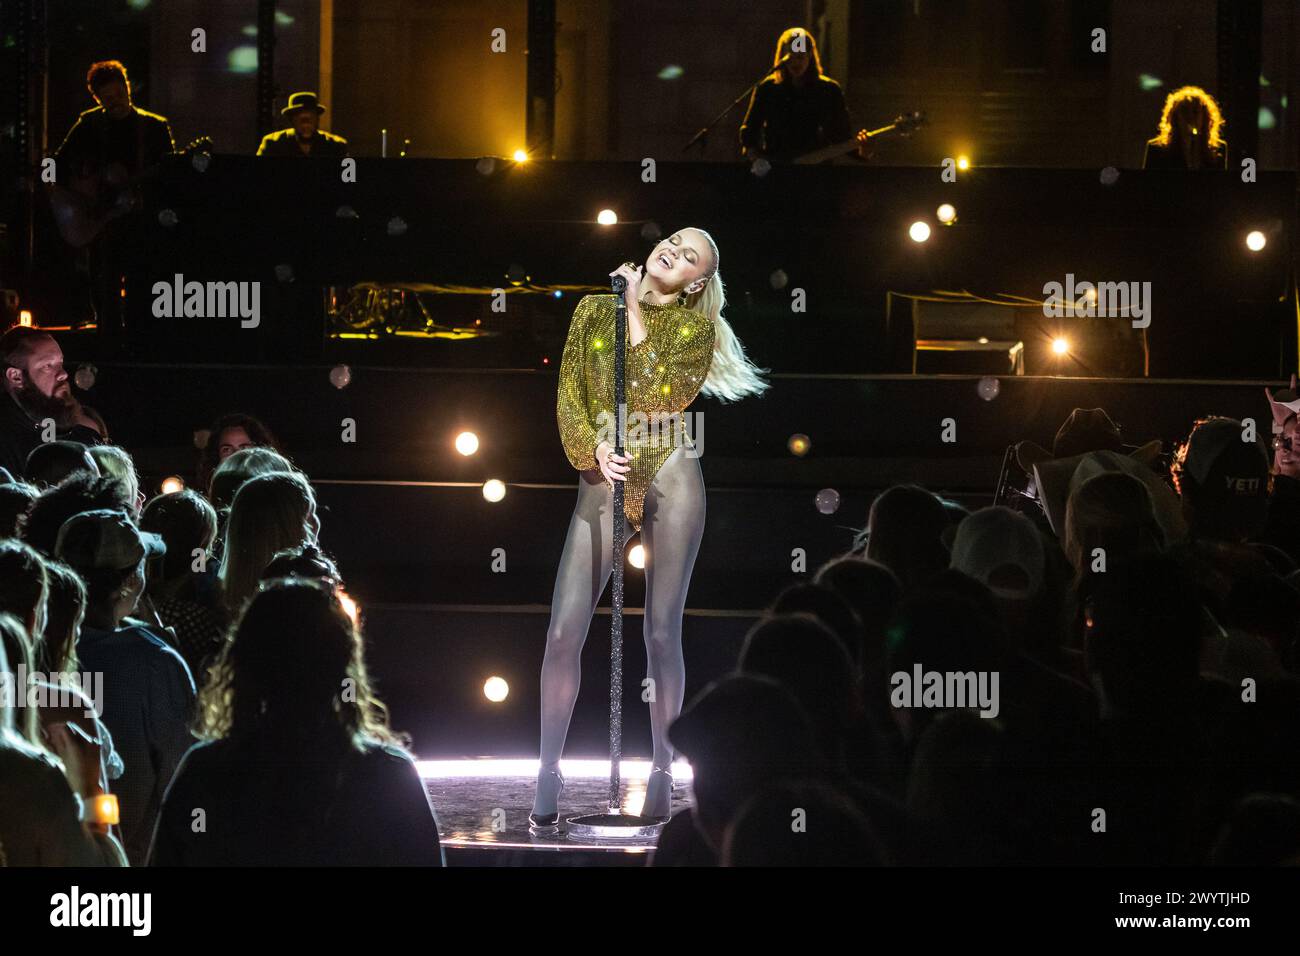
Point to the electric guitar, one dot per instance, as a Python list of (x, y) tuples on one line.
[(79, 213), (903, 125)]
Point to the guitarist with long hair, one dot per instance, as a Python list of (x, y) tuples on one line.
[(95, 168), (797, 108)]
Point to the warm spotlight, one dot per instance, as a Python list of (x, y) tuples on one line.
[(946, 214), (1060, 346), (920, 231), (798, 444), (636, 557), (963, 162), (25, 318), (172, 485), (607, 217), (521, 156), (494, 489), (496, 689), (1256, 241), (467, 443)]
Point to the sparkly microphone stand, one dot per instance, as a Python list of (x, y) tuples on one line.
[(615, 824)]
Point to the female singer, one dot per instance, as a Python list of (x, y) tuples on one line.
[(678, 344)]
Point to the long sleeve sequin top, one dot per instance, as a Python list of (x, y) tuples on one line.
[(663, 374)]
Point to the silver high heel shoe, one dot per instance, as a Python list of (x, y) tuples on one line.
[(546, 813), (658, 794)]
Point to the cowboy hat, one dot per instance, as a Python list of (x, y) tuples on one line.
[(304, 100)]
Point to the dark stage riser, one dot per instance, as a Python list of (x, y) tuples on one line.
[(837, 233)]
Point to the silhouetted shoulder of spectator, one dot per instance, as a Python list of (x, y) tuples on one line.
[(40, 825), (1283, 528), (362, 807), (680, 843), (1263, 830)]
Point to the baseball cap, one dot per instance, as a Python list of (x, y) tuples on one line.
[(104, 539), (1224, 465), (994, 538)]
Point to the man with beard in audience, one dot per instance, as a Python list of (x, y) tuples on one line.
[(36, 390)]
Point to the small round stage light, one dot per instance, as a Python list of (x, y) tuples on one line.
[(828, 501), (496, 689), (85, 377), (25, 318), (946, 214), (963, 162), (1060, 346), (172, 484), (340, 376), (1256, 240), (494, 489), (920, 231), (607, 217), (988, 388), (521, 156), (798, 443), (636, 557), (467, 443)]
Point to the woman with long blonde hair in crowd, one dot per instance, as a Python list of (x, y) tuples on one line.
[(270, 513)]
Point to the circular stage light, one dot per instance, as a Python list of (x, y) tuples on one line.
[(946, 214), (799, 443), (963, 162), (467, 443), (988, 388), (521, 156), (1060, 346), (1256, 240), (920, 231), (340, 376), (496, 689), (172, 484), (85, 377), (607, 217), (494, 489), (636, 557)]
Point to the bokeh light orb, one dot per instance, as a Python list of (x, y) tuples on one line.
[(494, 489), (828, 501), (467, 443)]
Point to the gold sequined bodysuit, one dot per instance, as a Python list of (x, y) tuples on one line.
[(663, 374)]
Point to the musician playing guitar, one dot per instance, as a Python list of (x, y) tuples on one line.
[(114, 140), (96, 169), (797, 109)]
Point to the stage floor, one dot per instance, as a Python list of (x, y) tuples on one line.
[(482, 806)]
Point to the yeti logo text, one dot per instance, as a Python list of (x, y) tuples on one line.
[(209, 300), (1105, 299)]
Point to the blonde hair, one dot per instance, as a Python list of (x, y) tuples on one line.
[(788, 36), (1183, 95), (732, 376), (269, 514)]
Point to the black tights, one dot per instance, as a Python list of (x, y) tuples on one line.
[(672, 525)]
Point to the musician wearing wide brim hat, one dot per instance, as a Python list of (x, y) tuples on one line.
[(304, 137)]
